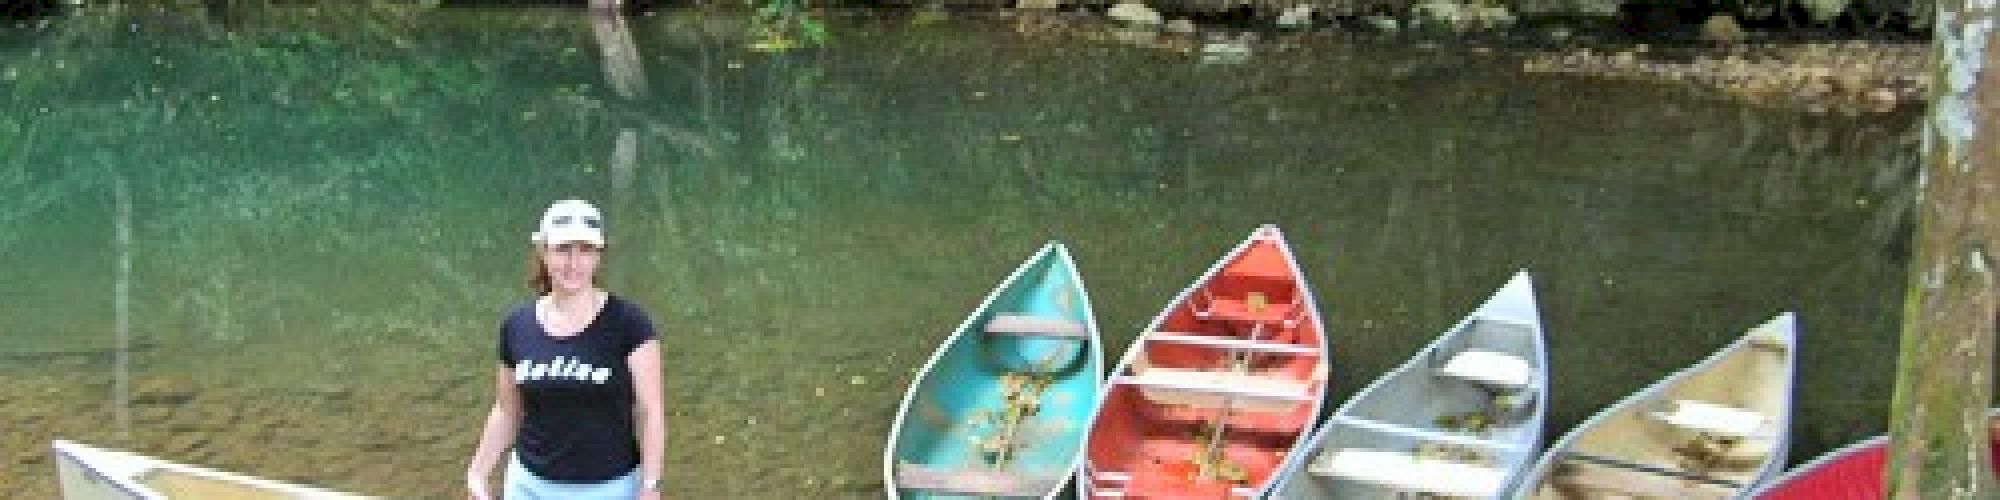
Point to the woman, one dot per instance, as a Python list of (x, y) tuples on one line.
[(577, 396)]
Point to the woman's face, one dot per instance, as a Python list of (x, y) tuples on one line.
[(572, 265)]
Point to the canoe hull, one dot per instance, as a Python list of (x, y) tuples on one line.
[(1416, 412), (90, 473), (1716, 429), (1853, 472), (957, 404), (1242, 346)]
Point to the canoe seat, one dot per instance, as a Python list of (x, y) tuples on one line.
[(979, 482), (1408, 473), (1232, 343), (1716, 420), (1252, 308), (1100, 488), (1215, 389), (1036, 326), (1156, 483), (1491, 368), (1112, 476)]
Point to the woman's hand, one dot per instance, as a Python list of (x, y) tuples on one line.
[(475, 489)]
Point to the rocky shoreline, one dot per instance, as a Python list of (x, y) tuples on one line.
[(1812, 74), (1845, 77)]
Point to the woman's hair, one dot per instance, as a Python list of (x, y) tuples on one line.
[(538, 273)]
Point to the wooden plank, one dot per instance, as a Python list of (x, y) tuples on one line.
[(973, 481), (1219, 389), (1035, 326), (1232, 309), (1492, 368), (1232, 343), (1404, 472), (1453, 438)]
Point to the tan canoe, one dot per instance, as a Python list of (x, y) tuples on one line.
[(91, 473)]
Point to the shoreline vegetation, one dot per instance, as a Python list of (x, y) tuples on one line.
[(1863, 60)]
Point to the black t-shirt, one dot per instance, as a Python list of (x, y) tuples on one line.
[(576, 392)]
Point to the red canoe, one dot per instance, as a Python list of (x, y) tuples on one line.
[(1243, 348), (1853, 472)]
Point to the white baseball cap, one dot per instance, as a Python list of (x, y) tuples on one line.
[(571, 220)]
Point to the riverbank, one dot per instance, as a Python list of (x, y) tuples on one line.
[(1812, 74), (1846, 77)]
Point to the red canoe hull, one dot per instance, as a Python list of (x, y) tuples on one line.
[(1855, 474), (1144, 445)]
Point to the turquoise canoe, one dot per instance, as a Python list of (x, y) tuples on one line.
[(1000, 408)]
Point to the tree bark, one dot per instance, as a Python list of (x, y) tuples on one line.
[(1938, 424)]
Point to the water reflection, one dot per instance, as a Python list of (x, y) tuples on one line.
[(325, 206)]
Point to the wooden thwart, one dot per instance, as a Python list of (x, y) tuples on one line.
[(1492, 368), (974, 481), (1214, 389), (1710, 418), (1232, 343), (1242, 310), (1035, 326), (1404, 472), (1427, 435)]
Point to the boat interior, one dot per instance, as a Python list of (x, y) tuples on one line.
[(1219, 393), (1709, 434), (1455, 421)]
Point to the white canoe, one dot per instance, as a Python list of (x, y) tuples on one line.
[(91, 473), (1410, 431)]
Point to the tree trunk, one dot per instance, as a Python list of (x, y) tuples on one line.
[(1939, 422)]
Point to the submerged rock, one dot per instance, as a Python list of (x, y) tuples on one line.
[(1462, 16), (1135, 13), (1722, 28), (1226, 49), (1385, 24), (1296, 18)]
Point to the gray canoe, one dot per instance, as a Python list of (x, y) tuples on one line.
[(90, 473), (1714, 430), (1463, 418)]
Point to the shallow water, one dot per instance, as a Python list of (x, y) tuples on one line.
[(328, 213)]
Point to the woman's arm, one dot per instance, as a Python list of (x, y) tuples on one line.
[(652, 409), (498, 436)]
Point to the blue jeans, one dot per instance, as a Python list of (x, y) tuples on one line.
[(522, 484)]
